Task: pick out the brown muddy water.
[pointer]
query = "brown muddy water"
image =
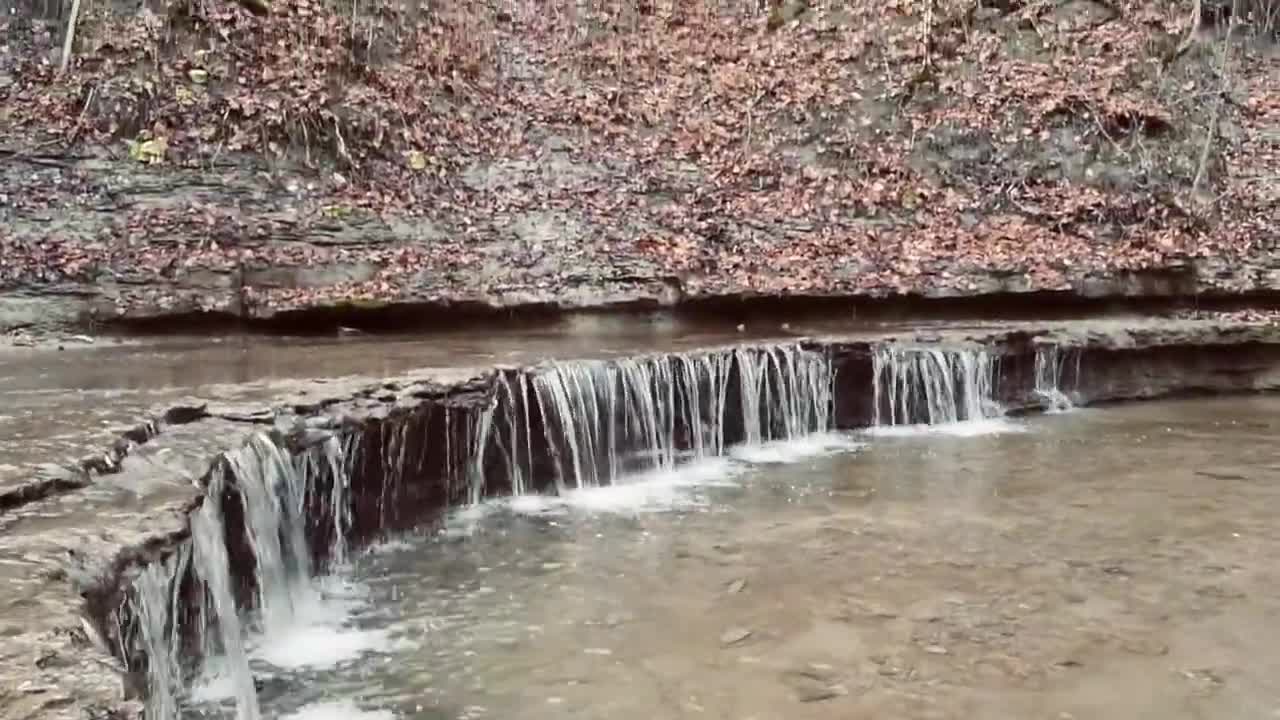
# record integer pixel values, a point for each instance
(58, 406)
(1103, 563)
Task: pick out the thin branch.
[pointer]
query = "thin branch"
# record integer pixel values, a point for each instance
(1224, 76)
(70, 39)
(927, 40)
(1193, 24)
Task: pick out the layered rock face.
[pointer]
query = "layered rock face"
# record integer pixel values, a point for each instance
(197, 158)
(150, 593)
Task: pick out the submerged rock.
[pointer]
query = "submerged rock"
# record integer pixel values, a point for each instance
(733, 636)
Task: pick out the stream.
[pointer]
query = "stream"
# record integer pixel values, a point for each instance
(1097, 563)
(655, 520)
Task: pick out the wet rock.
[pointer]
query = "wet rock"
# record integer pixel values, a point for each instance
(814, 682)
(733, 636)
(1117, 571)
(811, 692)
(823, 686)
(1220, 475)
(1205, 680)
(181, 415)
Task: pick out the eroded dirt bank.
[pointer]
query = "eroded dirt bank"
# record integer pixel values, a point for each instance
(70, 549)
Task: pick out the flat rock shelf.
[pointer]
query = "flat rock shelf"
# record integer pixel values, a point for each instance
(130, 571)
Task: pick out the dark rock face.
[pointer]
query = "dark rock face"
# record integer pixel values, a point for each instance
(419, 448)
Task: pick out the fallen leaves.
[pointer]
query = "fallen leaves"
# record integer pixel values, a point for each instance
(836, 153)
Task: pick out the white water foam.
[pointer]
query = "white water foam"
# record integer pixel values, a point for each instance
(964, 428)
(338, 710)
(217, 682)
(389, 546)
(320, 635)
(1050, 369)
(653, 491)
(791, 451)
(659, 490)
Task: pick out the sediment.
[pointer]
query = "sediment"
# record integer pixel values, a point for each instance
(391, 456)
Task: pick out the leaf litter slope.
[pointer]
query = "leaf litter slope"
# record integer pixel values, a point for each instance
(467, 150)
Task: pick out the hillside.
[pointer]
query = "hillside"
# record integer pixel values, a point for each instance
(198, 156)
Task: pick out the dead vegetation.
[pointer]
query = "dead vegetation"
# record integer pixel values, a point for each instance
(908, 142)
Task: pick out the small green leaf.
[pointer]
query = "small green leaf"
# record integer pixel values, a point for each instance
(151, 152)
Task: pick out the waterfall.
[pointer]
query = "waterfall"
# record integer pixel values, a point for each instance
(785, 394)
(919, 384)
(273, 492)
(155, 606)
(272, 487)
(601, 420)
(503, 429)
(219, 609)
(1050, 368)
(330, 457)
(484, 424)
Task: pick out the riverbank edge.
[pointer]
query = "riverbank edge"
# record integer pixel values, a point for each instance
(1109, 362)
(39, 314)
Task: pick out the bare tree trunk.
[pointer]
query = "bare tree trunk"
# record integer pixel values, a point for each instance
(1223, 89)
(69, 41)
(1193, 25)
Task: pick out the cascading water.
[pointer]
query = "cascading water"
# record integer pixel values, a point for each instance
(601, 420)
(273, 491)
(272, 487)
(1050, 368)
(918, 384)
(331, 456)
(156, 607)
(582, 424)
(784, 394)
(219, 610)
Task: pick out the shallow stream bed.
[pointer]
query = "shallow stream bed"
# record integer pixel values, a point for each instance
(1102, 563)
